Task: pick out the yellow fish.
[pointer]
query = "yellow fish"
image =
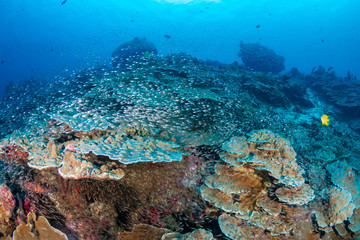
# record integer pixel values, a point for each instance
(325, 119)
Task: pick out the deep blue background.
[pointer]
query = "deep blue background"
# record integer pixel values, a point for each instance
(48, 40)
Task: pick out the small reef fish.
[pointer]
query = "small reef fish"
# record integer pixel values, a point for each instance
(167, 36)
(63, 2)
(37, 188)
(325, 119)
(258, 26)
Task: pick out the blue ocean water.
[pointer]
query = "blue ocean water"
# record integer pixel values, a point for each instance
(179, 119)
(48, 39)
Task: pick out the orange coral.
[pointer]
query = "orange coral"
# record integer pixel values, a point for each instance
(37, 229)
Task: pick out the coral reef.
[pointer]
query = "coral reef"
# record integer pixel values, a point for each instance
(129, 52)
(159, 146)
(261, 58)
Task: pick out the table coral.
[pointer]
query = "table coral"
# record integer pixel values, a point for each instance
(42, 153)
(75, 166)
(345, 177)
(133, 149)
(264, 150)
(298, 195)
(270, 206)
(254, 169)
(339, 207)
(232, 189)
(237, 229)
(354, 225)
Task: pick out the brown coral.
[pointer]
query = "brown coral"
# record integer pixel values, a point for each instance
(237, 229)
(75, 166)
(295, 195)
(37, 229)
(233, 189)
(339, 207)
(264, 150)
(143, 232)
(254, 167)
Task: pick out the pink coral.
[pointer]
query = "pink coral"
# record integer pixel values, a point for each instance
(7, 203)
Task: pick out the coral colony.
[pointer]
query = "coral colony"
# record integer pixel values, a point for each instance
(178, 148)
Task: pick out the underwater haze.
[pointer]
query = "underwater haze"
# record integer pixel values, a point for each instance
(52, 39)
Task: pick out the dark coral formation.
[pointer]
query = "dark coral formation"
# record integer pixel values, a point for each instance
(260, 58)
(132, 51)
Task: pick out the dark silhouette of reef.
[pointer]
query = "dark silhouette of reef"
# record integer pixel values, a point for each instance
(132, 51)
(260, 58)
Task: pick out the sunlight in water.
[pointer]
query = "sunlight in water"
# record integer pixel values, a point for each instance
(187, 1)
